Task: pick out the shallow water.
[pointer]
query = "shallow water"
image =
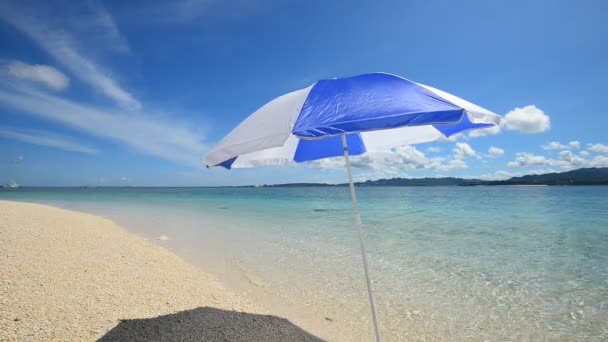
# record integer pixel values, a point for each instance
(448, 263)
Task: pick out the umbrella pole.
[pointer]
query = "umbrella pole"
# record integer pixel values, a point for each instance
(353, 196)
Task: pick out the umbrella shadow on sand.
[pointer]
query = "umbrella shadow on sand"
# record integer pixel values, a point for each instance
(208, 324)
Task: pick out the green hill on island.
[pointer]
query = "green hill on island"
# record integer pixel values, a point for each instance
(584, 176)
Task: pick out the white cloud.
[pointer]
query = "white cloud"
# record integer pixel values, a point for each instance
(88, 27)
(528, 119)
(599, 161)
(566, 155)
(570, 158)
(484, 131)
(526, 159)
(567, 160)
(433, 149)
(44, 74)
(438, 164)
(495, 151)
(40, 23)
(92, 20)
(45, 139)
(584, 153)
(149, 134)
(454, 164)
(392, 162)
(409, 155)
(329, 163)
(554, 145)
(599, 148)
(402, 158)
(463, 150)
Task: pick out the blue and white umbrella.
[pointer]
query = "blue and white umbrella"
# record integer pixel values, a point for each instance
(347, 116)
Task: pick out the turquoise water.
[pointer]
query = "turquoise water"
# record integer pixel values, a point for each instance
(449, 263)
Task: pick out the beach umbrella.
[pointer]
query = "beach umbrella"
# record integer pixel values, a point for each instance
(345, 117)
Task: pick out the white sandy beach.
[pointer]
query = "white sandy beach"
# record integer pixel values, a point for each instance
(66, 275)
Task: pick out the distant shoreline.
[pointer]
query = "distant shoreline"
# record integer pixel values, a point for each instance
(578, 177)
(290, 185)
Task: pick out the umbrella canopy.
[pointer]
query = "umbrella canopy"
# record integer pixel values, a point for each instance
(347, 116)
(377, 112)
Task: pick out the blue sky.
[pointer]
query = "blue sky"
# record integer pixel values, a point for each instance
(134, 93)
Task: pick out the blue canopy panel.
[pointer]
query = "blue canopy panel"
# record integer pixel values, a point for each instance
(328, 147)
(464, 124)
(227, 163)
(370, 102)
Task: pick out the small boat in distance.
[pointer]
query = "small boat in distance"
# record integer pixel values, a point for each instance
(12, 185)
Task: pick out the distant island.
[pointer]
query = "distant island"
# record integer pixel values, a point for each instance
(584, 176)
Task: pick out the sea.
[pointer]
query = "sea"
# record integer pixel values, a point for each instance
(483, 263)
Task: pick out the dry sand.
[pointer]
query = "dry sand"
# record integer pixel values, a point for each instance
(69, 276)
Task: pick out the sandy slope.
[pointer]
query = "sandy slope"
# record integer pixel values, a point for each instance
(72, 276)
